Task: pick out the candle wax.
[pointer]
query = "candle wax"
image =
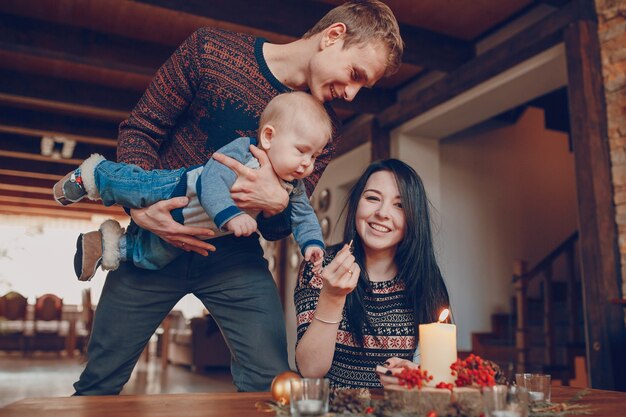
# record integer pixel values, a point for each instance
(437, 344)
(505, 413)
(309, 407)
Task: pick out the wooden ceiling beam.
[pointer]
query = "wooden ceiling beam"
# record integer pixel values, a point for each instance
(10, 197)
(31, 185)
(37, 123)
(368, 101)
(29, 147)
(535, 39)
(24, 187)
(16, 175)
(85, 47)
(81, 46)
(66, 97)
(46, 212)
(293, 18)
(355, 134)
(35, 157)
(364, 129)
(38, 168)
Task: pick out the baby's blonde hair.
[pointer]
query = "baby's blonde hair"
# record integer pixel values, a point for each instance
(296, 109)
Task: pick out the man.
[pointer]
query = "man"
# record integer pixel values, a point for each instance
(211, 91)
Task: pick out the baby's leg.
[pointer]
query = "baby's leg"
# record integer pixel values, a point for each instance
(98, 248)
(116, 183)
(146, 250)
(77, 184)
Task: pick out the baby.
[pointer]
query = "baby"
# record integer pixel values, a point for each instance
(293, 130)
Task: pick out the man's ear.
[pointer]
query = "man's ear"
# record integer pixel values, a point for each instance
(332, 34)
(267, 134)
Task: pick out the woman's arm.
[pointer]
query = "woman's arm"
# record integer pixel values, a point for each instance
(316, 348)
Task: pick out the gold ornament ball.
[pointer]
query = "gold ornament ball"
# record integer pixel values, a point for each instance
(281, 387)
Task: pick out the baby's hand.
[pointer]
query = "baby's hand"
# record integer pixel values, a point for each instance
(242, 225)
(315, 255)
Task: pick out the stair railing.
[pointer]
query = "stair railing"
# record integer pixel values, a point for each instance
(521, 279)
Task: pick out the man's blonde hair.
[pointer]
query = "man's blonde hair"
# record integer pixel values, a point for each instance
(366, 21)
(296, 108)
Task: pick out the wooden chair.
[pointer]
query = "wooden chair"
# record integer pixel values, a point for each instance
(13, 307)
(48, 328)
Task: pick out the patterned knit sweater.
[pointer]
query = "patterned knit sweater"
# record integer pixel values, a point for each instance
(211, 91)
(390, 315)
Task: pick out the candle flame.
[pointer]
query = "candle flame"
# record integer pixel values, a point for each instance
(444, 315)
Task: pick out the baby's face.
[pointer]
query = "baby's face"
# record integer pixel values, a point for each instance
(293, 151)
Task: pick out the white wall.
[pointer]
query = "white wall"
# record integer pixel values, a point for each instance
(504, 193)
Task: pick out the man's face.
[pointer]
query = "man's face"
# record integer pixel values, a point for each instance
(336, 72)
(293, 150)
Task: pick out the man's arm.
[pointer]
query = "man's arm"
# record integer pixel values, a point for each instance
(149, 126)
(167, 97)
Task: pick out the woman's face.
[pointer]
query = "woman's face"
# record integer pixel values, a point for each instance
(380, 219)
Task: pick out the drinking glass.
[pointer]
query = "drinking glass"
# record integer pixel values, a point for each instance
(309, 397)
(538, 386)
(505, 401)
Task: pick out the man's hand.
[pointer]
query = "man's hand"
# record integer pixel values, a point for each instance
(158, 220)
(242, 225)
(315, 255)
(256, 189)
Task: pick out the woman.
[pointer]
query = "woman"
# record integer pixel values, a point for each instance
(365, 307)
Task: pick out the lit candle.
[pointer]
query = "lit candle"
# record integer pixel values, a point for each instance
(309, 407)
(437, 344)
(536, 396)
(506, 413)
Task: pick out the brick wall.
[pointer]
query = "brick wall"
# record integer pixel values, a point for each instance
(612, 35)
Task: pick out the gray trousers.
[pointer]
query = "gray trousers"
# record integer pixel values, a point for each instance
(233, 283)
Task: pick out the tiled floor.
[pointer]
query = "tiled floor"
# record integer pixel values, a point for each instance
(52, 376)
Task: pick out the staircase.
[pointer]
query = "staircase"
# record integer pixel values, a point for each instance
(545, 332)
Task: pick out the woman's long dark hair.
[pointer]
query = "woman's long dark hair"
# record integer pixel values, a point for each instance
(415, 259)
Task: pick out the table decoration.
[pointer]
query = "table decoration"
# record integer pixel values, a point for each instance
(437, 343)
(413, 398)
(353, 403)
(281, 387)
(309, 397)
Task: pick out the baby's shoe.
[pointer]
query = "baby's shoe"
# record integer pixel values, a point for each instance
(88, 255)
(98, 248)
(69, 189)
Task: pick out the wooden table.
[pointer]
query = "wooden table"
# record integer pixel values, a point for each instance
(604, 403)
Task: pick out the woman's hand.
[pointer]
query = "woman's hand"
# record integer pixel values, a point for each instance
(256, 189)
(391, 368)
(341, 275)
(158, 220)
